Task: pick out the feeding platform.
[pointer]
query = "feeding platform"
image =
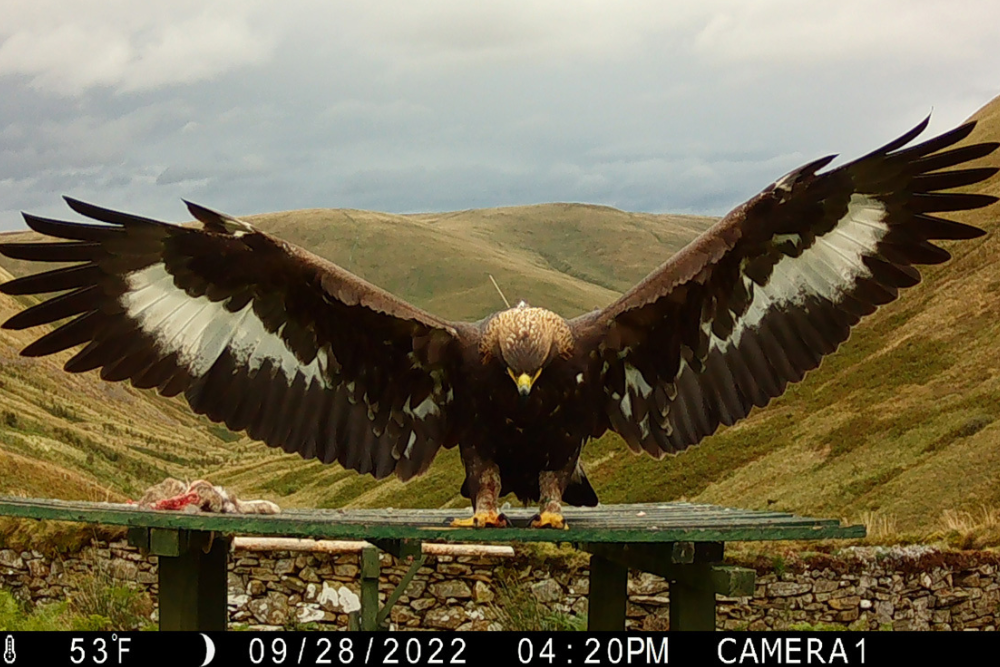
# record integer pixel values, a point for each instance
(683, 542)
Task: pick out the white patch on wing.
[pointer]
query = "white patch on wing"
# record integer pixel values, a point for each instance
(830, 267)
(781, 238)
(626, 405)
(644, 427)
(409, 444)
(426, 407)
(199, 330)
(636, 382)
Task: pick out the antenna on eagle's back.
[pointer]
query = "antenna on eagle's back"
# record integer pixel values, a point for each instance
(499, 291)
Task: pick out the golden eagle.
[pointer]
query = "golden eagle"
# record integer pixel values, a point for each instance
(305, 356)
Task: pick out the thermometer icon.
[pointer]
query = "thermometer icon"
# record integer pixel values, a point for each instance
(8, 650)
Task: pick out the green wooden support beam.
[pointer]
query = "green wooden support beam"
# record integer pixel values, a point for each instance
(370, 571)
(693, 570)
(654, 557)
(381, 619)
(403, 549)
(169, 542)
(193, 583)
(608, 595)
(138, 537)
(701, 574)
(683, 552)
(729, 580)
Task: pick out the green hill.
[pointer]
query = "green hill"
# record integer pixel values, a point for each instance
(901, 422)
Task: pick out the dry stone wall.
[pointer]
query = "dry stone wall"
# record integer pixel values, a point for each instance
(910, 588)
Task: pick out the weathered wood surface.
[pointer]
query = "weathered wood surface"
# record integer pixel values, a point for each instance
(653, 522)
(355, 546)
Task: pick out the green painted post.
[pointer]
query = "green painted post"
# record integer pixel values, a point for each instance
(382, 619)
(193, 584)
(370, 570)
(608, 595)
(691, 608)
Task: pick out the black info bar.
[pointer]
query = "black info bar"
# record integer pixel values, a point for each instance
(113, 649)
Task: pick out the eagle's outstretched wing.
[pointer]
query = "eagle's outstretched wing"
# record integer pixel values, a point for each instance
(255, 332)
(759, 298)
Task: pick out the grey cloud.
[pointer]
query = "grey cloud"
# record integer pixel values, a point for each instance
(175, 175)
(84, 45)
(450, 105)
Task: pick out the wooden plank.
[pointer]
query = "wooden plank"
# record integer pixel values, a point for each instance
(608, 595)
(475, 550)
(355, 546)
(660, 523)
(193, 585)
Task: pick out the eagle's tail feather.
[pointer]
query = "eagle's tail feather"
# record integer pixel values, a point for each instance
(579, 492)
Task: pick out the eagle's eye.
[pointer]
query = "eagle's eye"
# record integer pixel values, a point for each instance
(523, 381)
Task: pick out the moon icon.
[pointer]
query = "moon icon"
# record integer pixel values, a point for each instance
(209, 649)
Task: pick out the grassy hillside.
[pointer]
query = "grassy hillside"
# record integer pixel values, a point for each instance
(902, 422)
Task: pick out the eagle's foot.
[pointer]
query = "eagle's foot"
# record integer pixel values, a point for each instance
(482, 520)
(549, 520)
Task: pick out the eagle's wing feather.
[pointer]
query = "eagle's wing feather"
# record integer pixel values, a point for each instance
(255, 332)
(763, 295)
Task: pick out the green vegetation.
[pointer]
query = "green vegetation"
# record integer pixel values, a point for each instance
(99, 605)
(516, 609)
(14, 617)
(102, 600)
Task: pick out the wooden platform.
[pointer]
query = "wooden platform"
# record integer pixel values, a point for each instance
(650, 522)
(683, 542)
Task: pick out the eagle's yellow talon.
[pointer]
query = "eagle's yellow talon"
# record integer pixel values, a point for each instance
(549, 520)
(482, 520)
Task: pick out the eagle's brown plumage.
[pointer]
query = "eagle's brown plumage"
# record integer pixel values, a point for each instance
(305, 356)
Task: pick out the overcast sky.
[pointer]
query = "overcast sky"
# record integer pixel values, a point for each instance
(656, 106)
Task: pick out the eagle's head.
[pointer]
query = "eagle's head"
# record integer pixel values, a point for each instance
(526, 340)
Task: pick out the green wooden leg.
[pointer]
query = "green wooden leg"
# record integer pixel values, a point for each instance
(608, 594)
(691, 608)
(193, 584)
(370, 571)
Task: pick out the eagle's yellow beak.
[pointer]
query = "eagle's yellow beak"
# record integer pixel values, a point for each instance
(524, 381)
